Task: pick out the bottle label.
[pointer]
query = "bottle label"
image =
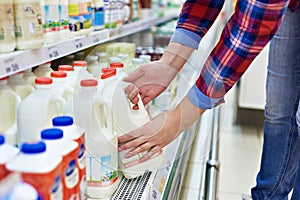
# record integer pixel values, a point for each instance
(102, 171)
(74, 24)
(50, 18)
(107, 14)
(57, 189)
(81, 157)
(7, 28)
(71, 175)
(28, 21)
(81, 162)
(63, 17)
(86, 15)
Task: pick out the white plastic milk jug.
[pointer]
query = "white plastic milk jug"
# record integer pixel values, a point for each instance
(18, 84)
(61, 88)
(93, 66)
(7, 153)
(76, 133)
(120, 69)
(43, 70)
(29, 77)
(93, 114)
(9, 102)
(56, 144)
(80, 72)
(37, 110)
(39, 168)
(125, 120)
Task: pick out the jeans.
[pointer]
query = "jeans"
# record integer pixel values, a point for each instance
(280, 171)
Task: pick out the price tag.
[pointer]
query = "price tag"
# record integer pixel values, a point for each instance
(53, 52)
(96, 39)
(12, 65)
(78, 43)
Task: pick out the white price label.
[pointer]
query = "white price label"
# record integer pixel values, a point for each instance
(78, 43)
(11, 65)
(96, 39)
(53, 52)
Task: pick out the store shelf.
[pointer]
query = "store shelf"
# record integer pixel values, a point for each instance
(13, 62)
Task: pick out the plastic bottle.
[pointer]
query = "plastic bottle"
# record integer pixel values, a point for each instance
(29, 31)
(102, 162)
(85, 16)
(50, 18)
(76, 133)
(80, 72)
(18, 190)
(74, 17)
(63, 13)
(9, 102)
(102, 59)
(120, 69)
(18, 84)
(56, 144)
(93, 66)
(29, 77)
(98, 20)
(107, 14)
(69, 70)
(114, 59)
(125, 120)
(39, 168)
(7, 27)
(7, 153)
(44, 70)
(37, 110)
(62, 89)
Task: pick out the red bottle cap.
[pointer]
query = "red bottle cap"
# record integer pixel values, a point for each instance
(43, 80)
(58, 74)
(80, 63)
(109, 74)
(88, 83)
(116, 65)
(65, 68)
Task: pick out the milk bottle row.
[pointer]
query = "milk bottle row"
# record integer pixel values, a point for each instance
(97, 104)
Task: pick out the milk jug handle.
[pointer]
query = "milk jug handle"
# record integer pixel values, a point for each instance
(18, 101)
(60, 100)
(140, 102)
(100, 113)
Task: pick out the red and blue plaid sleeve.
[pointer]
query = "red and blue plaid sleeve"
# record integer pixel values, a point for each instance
(250, 28)
(195, 19)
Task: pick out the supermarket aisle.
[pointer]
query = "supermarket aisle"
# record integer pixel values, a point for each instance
(239, 154)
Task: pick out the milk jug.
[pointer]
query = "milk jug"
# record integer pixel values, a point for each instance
(7, 153)
(28, 22)
(120, 69)
(7, 26)
(37, 110)
(63, 13)
(125, 120)
(29, 77)
(69, 70)
(9, 102)
(18, 190)
(76, 133)
(80, 72)
(18, 84)
(62, 89)
(93, 66)
(92, 113)
(39, 168)
(44, 70)
(56, 144)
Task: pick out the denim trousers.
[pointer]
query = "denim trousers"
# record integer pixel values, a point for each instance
(280, 169)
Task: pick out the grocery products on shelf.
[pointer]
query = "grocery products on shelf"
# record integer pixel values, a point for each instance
(36, 111)
(18, 84)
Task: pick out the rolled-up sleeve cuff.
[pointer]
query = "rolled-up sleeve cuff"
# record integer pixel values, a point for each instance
(200, 100)
(186, 37)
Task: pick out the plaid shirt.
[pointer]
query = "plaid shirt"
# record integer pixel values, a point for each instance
(250, 28)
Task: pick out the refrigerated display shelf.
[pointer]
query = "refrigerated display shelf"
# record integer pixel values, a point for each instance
(16, 61)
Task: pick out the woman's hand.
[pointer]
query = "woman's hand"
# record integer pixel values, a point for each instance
(160, 131)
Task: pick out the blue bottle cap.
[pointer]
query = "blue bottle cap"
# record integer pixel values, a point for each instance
(62, 121)
(2, 139)
(33, 148)
(52, 134)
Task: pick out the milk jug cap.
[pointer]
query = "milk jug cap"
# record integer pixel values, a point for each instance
(43, 80)
(65, 68)
(58, 74)
(2, 139)
(109, 74)
(52, 134)
(88, 83)
(107, 69)
(33, 148)
(4, 78)
(62, 121)
(116, 65)
(80, 63)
